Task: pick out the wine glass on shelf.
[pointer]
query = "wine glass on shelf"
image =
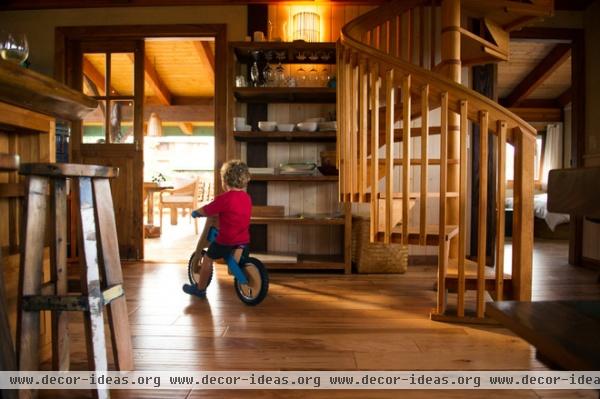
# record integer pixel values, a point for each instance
(268, 75)
(280, 70)
(14, 47)
(314, 56)
(325, 77)
(301, 74)
(313, 76)
(254, 73)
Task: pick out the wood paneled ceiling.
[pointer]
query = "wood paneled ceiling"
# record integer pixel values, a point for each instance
(536, 71)
(178, 78)
(178, 70)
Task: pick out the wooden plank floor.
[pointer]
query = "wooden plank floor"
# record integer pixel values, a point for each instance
(325, 322)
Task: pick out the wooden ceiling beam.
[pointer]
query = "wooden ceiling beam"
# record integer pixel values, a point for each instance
(161, 90)
(557, 56)
(187, 128)
(167, 113)
(94, 77)
(566, 97)
(50, 4)
(206, 55)
(538, 114)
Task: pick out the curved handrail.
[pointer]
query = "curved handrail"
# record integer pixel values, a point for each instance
(350, 37)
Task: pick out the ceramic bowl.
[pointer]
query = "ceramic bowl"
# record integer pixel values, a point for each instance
(330, 125)
(285, 127)
(267, 126)
(307, 126)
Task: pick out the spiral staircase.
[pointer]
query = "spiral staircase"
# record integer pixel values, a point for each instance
(405, 123)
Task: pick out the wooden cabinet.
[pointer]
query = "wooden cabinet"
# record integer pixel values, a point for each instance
(314, 232)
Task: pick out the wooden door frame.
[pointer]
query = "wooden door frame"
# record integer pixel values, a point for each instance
(68, 37)
(577, 39)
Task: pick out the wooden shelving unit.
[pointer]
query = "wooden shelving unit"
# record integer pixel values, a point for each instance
(308, 137)
(295, 178)
(306, 95)
(328, 231)
(317, 221)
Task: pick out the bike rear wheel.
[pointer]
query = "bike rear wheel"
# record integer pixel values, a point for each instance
(257, 288)
(193, 274)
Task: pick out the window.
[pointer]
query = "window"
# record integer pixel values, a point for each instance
(538, 160)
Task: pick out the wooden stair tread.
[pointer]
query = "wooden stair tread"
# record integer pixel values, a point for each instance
(412, 195)
(431, 231)
(471, 270)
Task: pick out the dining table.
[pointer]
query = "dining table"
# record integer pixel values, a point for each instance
(151, 188)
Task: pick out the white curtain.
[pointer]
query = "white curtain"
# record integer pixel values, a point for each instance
(553, 151)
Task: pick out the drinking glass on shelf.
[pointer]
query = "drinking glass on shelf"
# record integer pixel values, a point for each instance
(313, 56)
(325, 77)
(301, 56)
(313, 77)
(14, 47)
(268, 75)
(325, 56)
(301, 74)
(254, 73)
(279, 75)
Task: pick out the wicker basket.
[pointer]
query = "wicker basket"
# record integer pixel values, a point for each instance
(375, 257)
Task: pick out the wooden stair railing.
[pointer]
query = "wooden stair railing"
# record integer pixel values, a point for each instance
(385, 72)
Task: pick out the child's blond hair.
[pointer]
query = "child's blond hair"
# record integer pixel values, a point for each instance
(235, 174)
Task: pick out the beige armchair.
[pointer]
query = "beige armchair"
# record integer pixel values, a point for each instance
(185, 198)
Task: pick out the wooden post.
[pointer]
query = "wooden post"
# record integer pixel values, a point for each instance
(58, 270)
(452, 69)
(522, 256)
(442, 258)
(389, 153)
(375, 82)
(406, 153)
(501, 181)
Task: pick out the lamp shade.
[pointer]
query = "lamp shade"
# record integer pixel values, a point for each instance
(307, 26)
(154, 125)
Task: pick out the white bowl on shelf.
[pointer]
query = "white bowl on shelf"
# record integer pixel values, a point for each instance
(267, 126)
(245, 128)
(285, 127)
(329, 125)
(307, 126)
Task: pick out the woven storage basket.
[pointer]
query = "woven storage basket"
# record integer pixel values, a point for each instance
(375, 257)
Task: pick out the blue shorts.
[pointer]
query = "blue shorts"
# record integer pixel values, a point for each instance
(220, 251)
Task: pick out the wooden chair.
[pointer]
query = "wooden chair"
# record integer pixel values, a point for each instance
(101, 279)
(8, 163)
(185, 197)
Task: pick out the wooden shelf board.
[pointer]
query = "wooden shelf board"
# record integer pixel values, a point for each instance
(243, 51)
(313, 220)
(285, 94)
(314, 262)
(258, 136)
(28, 89)
(295, 178)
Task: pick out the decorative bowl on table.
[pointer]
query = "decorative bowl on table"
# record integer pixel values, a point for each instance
(307, 126)
(267, 126)
(285, 127)
(297, 168)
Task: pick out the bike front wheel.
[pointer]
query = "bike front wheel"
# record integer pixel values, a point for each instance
(256, 290)
(194, 269)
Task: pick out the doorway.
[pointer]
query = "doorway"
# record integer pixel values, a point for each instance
(119, 134)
